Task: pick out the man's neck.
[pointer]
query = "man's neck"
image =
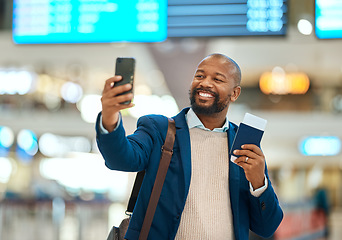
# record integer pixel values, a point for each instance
(212, 121)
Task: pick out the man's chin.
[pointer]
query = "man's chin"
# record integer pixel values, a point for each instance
(204, 110)
(204, 107)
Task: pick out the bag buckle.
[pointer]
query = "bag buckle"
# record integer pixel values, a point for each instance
(168, 150)
(128, 213)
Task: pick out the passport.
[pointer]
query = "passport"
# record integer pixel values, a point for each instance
(250, 131)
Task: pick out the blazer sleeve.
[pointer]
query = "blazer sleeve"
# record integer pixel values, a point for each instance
(266, 214)
(129, 153)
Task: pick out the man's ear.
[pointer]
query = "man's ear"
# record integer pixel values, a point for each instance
(236, 94)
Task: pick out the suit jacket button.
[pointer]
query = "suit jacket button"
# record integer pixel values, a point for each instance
(263, 206)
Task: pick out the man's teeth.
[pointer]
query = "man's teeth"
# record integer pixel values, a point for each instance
(202, 94)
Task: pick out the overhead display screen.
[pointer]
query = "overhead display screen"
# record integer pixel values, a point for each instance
(89, 21)
(96, 21)
(328, 19)
(211, 18)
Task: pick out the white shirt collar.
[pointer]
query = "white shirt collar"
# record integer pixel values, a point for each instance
(194, 122)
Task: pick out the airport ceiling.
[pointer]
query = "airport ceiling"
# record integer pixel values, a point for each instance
(177, 58)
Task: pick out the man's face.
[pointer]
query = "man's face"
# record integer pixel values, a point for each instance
(213, 86)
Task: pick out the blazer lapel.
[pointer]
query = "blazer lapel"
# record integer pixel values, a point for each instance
(234, 182)
(183, 141)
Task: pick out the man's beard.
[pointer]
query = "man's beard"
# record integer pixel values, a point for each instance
(216, 107)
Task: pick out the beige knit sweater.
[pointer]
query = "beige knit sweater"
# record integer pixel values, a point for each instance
(207, 212)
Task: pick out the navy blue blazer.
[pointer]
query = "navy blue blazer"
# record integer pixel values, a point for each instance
(142, 150)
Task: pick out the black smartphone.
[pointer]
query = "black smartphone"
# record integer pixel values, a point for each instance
(125, 67)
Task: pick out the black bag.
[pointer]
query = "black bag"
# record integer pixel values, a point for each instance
(118, 233)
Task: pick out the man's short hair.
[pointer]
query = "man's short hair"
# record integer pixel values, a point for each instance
(237, 73)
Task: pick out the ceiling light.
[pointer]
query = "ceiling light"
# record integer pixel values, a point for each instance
(304, 27)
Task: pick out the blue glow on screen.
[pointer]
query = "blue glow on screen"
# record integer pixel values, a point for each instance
(207, 18)
(27, 145)
(320, 146)
(328, 19)
(84, 21)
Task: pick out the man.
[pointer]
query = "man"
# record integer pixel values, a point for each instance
(205, 195)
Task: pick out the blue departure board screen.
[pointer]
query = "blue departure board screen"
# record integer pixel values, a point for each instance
(89, 21)
(328, 19)
(216, 18)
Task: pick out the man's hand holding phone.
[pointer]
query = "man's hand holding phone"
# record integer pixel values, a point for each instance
(118, 92)
(112, 101)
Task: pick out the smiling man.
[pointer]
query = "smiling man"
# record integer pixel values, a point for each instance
(204, 196)
(216, 83)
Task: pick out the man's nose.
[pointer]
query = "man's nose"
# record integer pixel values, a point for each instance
(207, 82)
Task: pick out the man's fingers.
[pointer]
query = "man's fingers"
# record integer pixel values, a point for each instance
(117, 91)
(124, 98)
(253, 148)
(246, 153)
(249, 150)
(112, 99)
(242, 160)
(115, 101)
(109, 83)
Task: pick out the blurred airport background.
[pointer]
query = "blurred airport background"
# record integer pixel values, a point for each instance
(53, 182)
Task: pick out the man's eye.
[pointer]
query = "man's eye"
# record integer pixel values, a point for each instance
(199, 76)
(218, 80)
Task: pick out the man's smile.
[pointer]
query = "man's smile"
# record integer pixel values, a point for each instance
(205, 94)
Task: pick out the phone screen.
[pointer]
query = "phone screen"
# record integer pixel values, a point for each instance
(125, 67)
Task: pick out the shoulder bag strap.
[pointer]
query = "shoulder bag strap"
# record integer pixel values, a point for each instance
(137, 184)
(159, 181)
(135, 192)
